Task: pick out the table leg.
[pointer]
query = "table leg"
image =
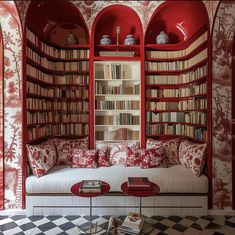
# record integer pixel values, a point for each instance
(140, 205)
(91, 228)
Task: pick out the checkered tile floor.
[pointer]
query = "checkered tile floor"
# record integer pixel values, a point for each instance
(51, 225)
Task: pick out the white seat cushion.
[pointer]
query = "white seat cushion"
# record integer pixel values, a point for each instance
(175, 179)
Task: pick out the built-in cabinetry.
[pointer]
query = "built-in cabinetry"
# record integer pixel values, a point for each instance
(117, 76)
(176, 88)
(57, 89)
(117, 100)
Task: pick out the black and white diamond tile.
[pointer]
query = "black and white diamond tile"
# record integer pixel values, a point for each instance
(67, 225)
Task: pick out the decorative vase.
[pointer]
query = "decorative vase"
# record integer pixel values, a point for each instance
(129, 40)
(162, 38)
(71, 39)
(105, 40)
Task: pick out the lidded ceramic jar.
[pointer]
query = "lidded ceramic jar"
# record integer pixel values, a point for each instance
(162, 38)
(129, 40)
(71, 39)
(105, 40)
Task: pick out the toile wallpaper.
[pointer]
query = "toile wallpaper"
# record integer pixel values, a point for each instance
(222, 45)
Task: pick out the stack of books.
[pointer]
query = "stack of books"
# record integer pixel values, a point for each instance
(138, 183)
(90, 186)
(132, 224)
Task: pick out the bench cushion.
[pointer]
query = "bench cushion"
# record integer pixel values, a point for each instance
(175, 179)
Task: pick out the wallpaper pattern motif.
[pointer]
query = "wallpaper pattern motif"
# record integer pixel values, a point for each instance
(221, 105)
(221, 87)
(12, 45)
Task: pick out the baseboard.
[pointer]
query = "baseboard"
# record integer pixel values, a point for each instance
(221, 212)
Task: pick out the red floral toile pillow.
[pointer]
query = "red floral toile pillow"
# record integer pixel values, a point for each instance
(117, 153)
(42, 157)
(85, 158)
(192, 156)
(151, 158)
(66, 148)
(132, 157)
(103, 154)
(170, 147)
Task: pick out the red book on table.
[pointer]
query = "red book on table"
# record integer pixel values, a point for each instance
(138, 183)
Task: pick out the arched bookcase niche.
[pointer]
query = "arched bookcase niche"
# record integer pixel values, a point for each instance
(57, 71)
(177, 75)
(122, 21)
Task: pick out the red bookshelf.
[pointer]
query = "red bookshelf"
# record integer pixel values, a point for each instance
(117, 81)
(57, 79)
(178, 82)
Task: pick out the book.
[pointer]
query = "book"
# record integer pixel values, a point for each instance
(127, 230)
(90, 186)
(133, 221)
(138, 183)
(117, 53)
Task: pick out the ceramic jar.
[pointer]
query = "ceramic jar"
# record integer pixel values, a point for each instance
(105, 40)
(129, 40)
(162, 38)
(71, 39)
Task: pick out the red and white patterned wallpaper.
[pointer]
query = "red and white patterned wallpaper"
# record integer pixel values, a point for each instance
(222, 44)
(12, 50)
(12, 39)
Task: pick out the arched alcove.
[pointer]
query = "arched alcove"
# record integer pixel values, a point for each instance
(53, 20)
(111, 17)
(180, 19)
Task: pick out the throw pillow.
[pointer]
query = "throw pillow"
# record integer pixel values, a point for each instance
(132, 157)
(42, 157)
(66, 148)
(85, 158)
(103, 154)
(170, 147)
(151, 158)
(192, 156)
(117, 153)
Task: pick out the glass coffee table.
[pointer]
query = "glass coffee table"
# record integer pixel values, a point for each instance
(91, 228)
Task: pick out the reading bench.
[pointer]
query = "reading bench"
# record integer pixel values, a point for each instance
(181, 191)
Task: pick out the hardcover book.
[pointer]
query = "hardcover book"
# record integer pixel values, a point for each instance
(133, 221)
(90, 186)
(138, 183)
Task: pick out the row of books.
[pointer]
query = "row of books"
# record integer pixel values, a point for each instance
(72, 106)
(60, 117)
(119, 119)
(117, 105)
(39, 117)
(44, 104)
(119, 134)
(65, 54)
(62, 65)
(177, 79)
(54, 52)
(56, 79)
(71, 92)
(112, 71)
(37, 89)
(176, 129)
(192, 104)
(121, 89)
(188, 117)
(71, 80)
(39, 131)
(176, 54)
(180, 92)
(38, 74)
(71, 129)
(176, 65)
